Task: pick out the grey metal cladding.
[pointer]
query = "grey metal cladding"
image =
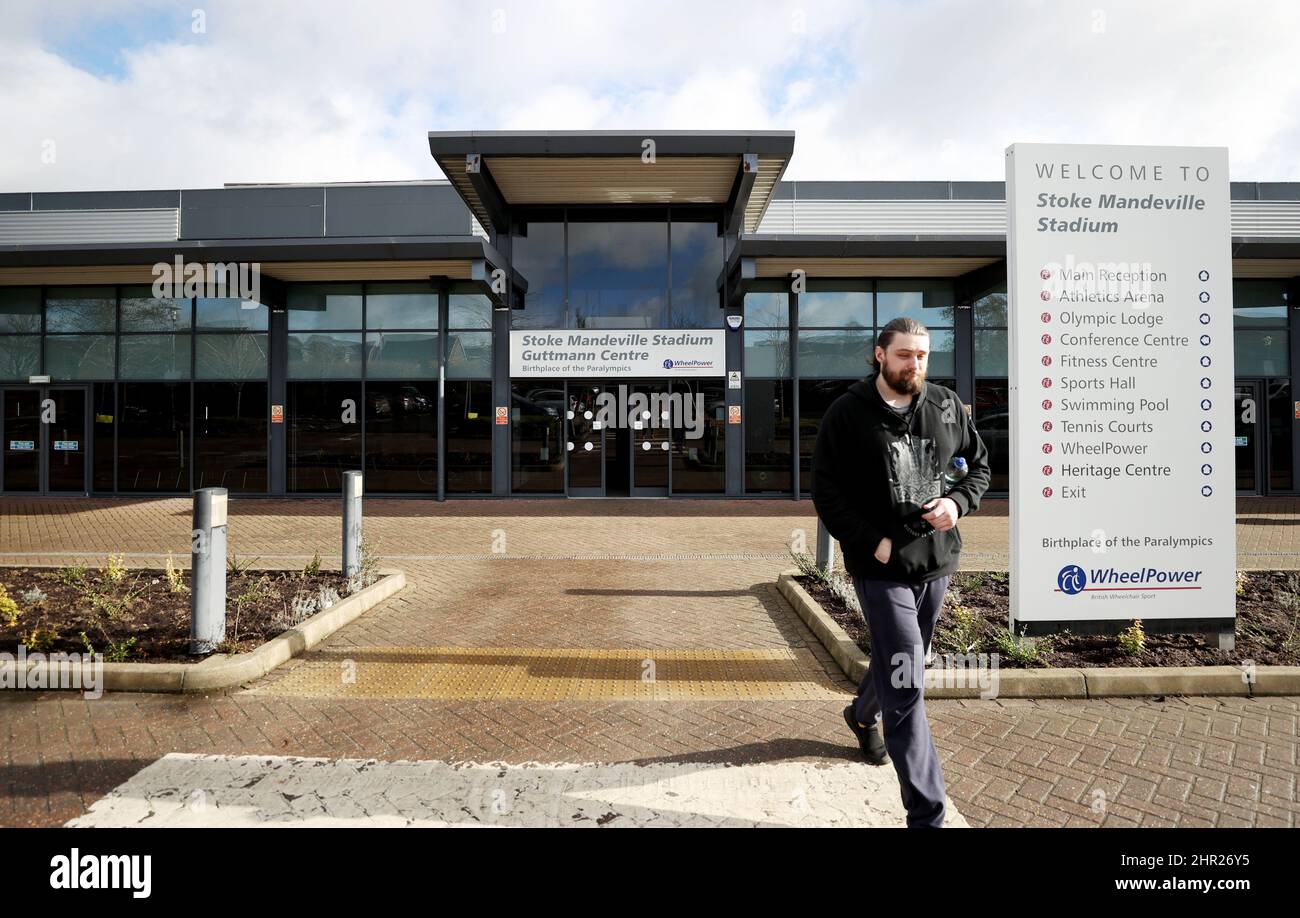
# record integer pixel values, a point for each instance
(104, 200)
(396, 210)
(252, 213)
(15, 200)
(1278, 191)
(979, 191)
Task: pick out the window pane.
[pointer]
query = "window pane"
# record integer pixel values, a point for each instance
(325, 355)
(991, 351)
(469, 437)
(992, 413)
(102, 435)
(767, 309)
(1259, 304)
(767, 353)
(768, 454)
(697, 260)
(20, 356)
(401, 306)
(230, 433)
(536, 441)
(699, 465)
(230, 356)
(1260, 353)
(929, 302)
(469, 355)
(942, 361)
(142, 311)
(835, 353)
(324, 432)
(815, 396)
(397, 355)
(324, 306)
(153, 438)
(20, 309)
(155, 357)
(231, 314)
(402, 436)
(991, 308)
(538, 256)
(79, 356)
(618, 275)
(836, 305)
(469, 310)
(1281, 464)
(80, 309)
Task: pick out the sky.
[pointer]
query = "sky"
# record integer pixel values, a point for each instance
(108, 94)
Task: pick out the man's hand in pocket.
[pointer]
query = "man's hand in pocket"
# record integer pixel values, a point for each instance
(883, 550)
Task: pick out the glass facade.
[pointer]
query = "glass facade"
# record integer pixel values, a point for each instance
(397, 378)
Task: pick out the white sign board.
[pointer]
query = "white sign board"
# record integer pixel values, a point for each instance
(572, 353)
(1120, 323)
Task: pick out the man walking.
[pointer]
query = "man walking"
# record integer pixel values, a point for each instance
(879, 487)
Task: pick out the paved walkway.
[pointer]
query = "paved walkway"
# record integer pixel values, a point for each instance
(599, 637)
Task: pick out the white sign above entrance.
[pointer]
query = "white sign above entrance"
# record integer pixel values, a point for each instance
(664, 353)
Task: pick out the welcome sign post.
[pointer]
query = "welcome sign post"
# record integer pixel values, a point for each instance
(1122, 463)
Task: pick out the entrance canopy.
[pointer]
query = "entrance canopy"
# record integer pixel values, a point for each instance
(497, 171)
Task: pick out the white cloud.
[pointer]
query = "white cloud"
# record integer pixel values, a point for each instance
(344, 91)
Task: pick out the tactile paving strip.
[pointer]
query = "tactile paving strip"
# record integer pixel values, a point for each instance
(542, 674)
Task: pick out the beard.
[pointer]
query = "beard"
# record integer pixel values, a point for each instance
(905, 382)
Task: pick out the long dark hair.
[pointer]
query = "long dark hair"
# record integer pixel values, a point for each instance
(903, 325)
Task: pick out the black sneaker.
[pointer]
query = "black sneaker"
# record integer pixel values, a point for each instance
(869, 739)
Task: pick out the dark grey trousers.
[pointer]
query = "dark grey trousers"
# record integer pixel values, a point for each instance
(901, 619)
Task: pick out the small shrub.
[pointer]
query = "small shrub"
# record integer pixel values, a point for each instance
(1133, 640)
(34, 596)
(235, 567)
(120, 652)
(1022, 649)
(313, 566)
(9, 613)
(963, 636)
(39, 639)
(809, 567)
(90, 648)
(175, 576)
(72, 575)
(1241, 582)
(326, 597)
(114, 569)
(368, 572)
(843, 590)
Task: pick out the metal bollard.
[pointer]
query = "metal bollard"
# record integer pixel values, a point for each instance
(208, 571)
(351, 523)
(825, 547)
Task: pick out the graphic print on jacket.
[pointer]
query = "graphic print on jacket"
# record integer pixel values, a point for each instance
(915, 480)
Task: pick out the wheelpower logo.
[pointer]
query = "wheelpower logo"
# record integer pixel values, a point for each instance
(1073, 579)
(671, 364)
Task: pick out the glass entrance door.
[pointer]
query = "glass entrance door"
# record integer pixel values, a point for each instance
(651, 441)
(584, 436)
(45, 439)
(1248, 427)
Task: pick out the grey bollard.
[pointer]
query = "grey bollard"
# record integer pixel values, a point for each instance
(208, 571)
(825, 547)
(351, 523)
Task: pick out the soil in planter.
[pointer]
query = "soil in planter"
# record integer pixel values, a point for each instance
(975, 611)
(138, 617)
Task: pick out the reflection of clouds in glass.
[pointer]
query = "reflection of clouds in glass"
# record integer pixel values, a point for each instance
(929, 302)
(641, 247)
(850, 309)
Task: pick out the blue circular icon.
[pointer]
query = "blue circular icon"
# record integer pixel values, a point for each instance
(1206, 447)
(668, 364)
(1206, 491)
(1071, 579)
(1204, 275)
(1205, 360)
(1205, 404)
(1205, 318)
(1207, 469)
(1205, 339)
(1206, 426)
(1205, 297)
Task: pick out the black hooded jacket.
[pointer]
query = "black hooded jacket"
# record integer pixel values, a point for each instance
(873, 470)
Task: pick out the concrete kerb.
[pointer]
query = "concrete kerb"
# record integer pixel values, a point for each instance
(1094, 682)
(221, 671)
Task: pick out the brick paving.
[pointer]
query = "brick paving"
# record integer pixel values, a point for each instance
(678, 576)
